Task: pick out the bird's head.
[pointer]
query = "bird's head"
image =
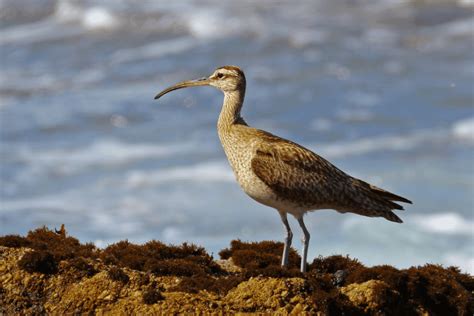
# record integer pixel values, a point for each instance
(226, 79)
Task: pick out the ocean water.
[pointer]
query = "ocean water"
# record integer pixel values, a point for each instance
(384, 91)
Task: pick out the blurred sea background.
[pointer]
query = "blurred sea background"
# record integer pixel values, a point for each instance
(383, 89)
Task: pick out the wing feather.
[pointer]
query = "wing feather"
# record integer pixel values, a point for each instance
(297, 174)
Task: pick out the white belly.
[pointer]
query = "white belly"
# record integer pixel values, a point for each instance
(240, 156)
(260, 192)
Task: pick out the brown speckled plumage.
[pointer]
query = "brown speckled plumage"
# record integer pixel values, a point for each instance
(284, 175)
(296, 174)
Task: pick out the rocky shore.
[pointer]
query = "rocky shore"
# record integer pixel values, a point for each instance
(49, 272)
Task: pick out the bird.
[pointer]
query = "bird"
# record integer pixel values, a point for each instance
(284, 175)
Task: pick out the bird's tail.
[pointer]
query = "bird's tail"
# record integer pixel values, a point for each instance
(376, 202)
(388, 195)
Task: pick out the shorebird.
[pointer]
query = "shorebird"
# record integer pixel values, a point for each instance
(282, 174)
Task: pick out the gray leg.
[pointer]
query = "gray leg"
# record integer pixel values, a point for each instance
(288, 238)
(305, 241)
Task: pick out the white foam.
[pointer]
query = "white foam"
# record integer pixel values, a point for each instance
(154, 50)
(466, 3)
(118, 120)
(66, 11)
(92, 18)
(212, 23)
(37, 32)
(444, 223)
(464, 129)
(213, 171)
(64, 24)
(207, 24)
(204, 24)
(98, 18)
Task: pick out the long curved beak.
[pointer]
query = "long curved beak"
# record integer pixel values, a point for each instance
(190, 83)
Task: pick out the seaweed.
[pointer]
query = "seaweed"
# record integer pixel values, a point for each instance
(220, 285)
(60, 245)
(334, 263)
(151, 296)
(125, 254)
(464, 279)
(39, 261)
(390, 275)
(160, 259)
(430, 288)
(334, 303)
(117, 274)
(262, 259)
(57, 244)
(326, 297)
(438, 290)
(82, 266)
(14, 241)
(177, 267)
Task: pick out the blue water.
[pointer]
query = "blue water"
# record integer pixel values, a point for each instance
(384, 91)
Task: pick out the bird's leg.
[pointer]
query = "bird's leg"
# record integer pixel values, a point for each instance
(288, 238)
(305, 241)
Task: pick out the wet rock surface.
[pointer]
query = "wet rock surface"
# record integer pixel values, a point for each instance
(48, 272)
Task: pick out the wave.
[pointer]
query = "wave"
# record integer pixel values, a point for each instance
(104, 152)
(447, 223)
(91, 18)
(38, 32)
(67, 21)
(213, 171)
(462, 130)
(154, 50)
(420, 237)
(444, 223)
(33, 203)
(380, 143)
(203, 26)
(207, 21)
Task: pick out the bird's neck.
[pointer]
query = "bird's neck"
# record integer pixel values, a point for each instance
(230, 113)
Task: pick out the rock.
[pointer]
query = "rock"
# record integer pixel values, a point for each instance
(340, 277)
(260, 294)
(113, 281)
(229, 265)
(368, 295)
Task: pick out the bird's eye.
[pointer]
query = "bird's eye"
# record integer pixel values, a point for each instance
(220, 75)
